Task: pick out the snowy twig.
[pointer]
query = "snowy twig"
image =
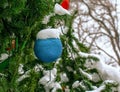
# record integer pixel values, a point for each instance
(101, 88)
(85, 74)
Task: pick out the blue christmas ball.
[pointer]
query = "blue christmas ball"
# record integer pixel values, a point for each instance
(48, 50)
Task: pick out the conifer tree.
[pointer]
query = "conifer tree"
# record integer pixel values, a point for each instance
(21, 71)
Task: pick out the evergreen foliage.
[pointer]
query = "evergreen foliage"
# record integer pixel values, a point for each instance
(20, 20)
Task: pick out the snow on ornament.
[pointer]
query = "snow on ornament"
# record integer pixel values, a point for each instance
(48, 46)
(62, 9)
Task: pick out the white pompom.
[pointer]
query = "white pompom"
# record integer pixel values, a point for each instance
(58, 9)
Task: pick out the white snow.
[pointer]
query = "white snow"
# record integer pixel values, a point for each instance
(101, 88)
(26, 75)
(63, 77)
(70, 69)
(48, 33)
(3, 56)
(48, 80)
(58, 9)
(46, 19)
(76, 84)
(38, 68)
(86, 74)
(20, 69)
(67, 89)
(52, 32)
(82, 54)
(107, 72)
(49, 76)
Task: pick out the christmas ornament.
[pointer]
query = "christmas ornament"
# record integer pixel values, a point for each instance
(65, 4)
(62, 9)
(48, 46)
